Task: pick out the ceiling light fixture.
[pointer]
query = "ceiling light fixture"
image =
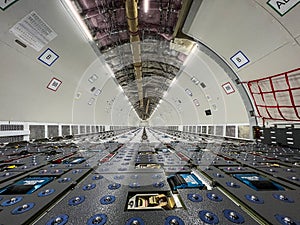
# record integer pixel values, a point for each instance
(72, 9)
(191, 55)
(146, 5)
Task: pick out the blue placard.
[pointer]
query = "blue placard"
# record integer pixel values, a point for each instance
(27, 185)
(239, 59)
(48, 57)
(257, 182)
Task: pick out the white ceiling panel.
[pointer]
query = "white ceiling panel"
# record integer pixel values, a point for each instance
(230, 26)
(290, 20)
(282, 60)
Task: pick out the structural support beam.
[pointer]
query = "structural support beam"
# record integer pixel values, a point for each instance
(132, 20)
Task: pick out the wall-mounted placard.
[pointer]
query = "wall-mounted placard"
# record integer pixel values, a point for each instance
(228, 88)
(239, 59)
(4, 4)
(282, 6)
(54, 84)
(48, 57)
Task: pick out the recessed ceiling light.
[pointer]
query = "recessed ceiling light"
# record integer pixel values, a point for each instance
(196, 102)
(189, 92)
(71, 8)
(146, 6)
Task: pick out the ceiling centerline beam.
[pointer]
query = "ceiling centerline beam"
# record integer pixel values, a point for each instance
(131, 7)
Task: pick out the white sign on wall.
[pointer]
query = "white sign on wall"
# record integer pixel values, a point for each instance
(33, 31)
(283, 6)
(239, 59)
(6, 3)
(228, 88)
(54, 84)
(48, 57)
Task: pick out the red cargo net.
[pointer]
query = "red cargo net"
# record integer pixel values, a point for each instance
(277, 97)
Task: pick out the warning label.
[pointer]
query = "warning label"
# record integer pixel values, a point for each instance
(33, 31)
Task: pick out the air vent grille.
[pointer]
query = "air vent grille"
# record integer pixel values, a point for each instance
(52, 131)
(5, 127)
(210, 129)
(74, 130)
(82, 129)
(219, 130)
(37, 131)
(65, 130)
(88, 129)
(230, 131)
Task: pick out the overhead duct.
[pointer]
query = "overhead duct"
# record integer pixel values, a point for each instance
(132, 20)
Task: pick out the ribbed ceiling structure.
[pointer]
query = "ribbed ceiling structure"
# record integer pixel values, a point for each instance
(153, 49)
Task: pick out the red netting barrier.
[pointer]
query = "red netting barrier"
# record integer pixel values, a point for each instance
(277, 97)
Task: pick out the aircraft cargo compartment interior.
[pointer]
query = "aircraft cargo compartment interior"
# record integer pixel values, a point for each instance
(149, 112)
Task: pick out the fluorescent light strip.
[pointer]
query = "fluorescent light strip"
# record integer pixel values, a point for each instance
(72, 10)
(191, 54)
(146, 5)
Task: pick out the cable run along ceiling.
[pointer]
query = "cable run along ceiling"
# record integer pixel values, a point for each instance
(145, 55)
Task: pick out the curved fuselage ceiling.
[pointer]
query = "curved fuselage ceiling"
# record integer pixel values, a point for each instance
(186, 67)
